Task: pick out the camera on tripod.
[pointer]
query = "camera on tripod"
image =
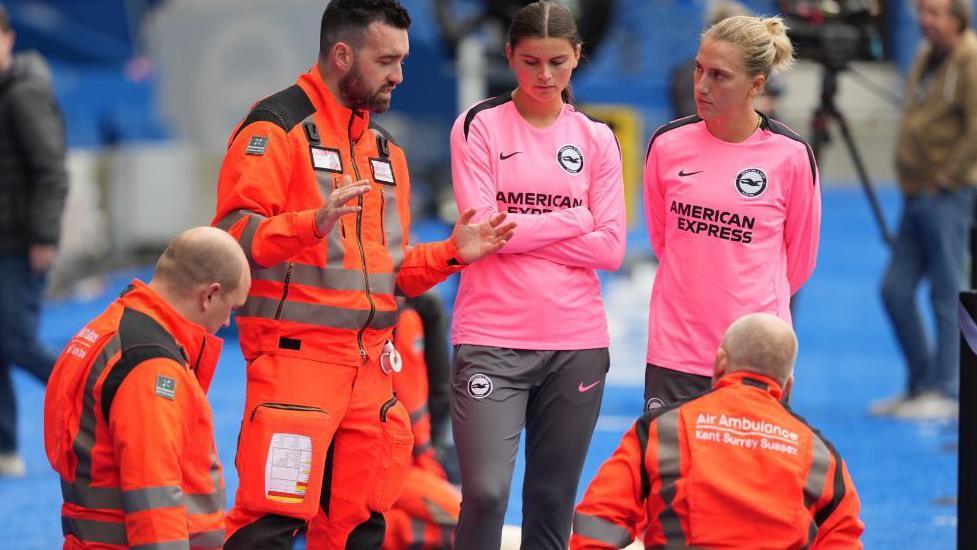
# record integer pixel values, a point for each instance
(834, 32)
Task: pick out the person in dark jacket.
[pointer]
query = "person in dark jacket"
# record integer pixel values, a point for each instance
(33, 185)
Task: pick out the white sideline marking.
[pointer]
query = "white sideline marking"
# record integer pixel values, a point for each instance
(512, 535)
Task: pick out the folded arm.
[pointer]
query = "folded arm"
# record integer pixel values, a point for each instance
(604, 247)
(474, 185)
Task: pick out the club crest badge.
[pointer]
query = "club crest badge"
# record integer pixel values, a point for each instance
(751, 182)
(479, 386)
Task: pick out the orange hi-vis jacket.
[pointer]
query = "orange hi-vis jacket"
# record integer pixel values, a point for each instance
(733, 468)
(332, 296)
(128, 428)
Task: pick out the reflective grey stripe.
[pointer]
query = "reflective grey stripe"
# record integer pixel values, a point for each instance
(111, 498)
(601, 530)
(171, 545)
(150, 498)
(438, 514)
(85, 439)
(669, 471)
(392, 229)
(205, 503)
(330, 278)
(208, 503)
(818, 472)
(81, 494)
(419, 414)
(316, 314)
(812, 534)
(816, 480)
(417, 533)
(207, 539)
(421, 449)
(229, 220)
(89, 530)
(335, 252)
(247, 236)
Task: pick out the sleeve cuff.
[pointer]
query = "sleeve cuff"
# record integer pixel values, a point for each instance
(307, 233)
(452, 257)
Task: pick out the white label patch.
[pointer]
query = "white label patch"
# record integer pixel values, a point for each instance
(383, 171)
(165, 387)
(326, 159)
(287, 468)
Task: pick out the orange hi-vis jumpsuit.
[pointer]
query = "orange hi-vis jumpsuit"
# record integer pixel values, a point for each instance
(425, 515)
(733, 468)
(128, 428)
(319, 412)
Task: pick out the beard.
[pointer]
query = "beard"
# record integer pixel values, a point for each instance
(358, 95)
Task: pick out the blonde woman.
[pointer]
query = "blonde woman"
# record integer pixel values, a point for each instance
(733, 208)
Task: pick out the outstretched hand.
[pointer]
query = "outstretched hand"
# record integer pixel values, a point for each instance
(336, 204)
(477, 240)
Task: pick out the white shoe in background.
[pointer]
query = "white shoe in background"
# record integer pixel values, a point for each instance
(512, 538)
(885, 407)
(11, 465)
(928, 405)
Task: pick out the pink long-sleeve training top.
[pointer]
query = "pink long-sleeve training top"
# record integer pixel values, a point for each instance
(735, 227)
(562, 185)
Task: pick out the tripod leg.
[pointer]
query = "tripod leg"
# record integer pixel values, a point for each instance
(863, 178)
(819, 131)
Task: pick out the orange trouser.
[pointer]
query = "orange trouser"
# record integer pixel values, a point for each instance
(425, 516)
(349, 411)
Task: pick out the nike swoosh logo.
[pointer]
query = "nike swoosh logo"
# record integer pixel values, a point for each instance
(683, 173)
(503, 156)
(581, 388)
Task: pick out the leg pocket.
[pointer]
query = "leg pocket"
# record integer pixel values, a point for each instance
(395, 455)
(282, 456)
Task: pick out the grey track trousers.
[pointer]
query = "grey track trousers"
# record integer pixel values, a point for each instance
(556, 396)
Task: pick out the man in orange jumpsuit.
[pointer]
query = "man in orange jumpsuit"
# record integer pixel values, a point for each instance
(733, 468)
(318, 198)
(127, 425)
(425, 515)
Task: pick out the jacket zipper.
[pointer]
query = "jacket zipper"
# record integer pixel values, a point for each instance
(288, 277)
(387, 405)
(359, 243)
(383, 208)
(286, 407)
(342, 225)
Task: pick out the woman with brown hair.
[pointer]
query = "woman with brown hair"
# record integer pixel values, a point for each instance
(529, 327)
